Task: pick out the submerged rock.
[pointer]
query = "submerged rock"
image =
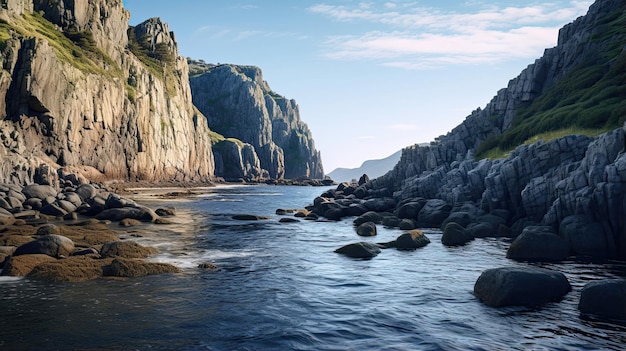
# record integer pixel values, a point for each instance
(520, 286)
(604, 299)
(359, 250)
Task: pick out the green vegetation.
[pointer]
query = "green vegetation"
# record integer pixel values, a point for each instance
(77, 48)
(590, 98)
(5, 34)
(215, 137)
(161, 62)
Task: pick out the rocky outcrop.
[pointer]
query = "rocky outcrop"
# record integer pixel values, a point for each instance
(559, 183)
(84, 91)
(239, 104)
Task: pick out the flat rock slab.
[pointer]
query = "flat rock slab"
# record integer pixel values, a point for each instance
(520, 286)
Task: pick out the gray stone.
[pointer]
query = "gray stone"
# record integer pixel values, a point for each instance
(86, 191)
(520, 286)
(39, 191)
(366, 229)
(433, 213)
(587, 238)
(51, 245)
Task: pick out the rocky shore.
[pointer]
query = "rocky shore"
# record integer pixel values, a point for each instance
(71, 230)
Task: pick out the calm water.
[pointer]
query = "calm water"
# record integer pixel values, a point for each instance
(281, 287)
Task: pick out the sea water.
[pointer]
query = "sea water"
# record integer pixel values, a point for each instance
(281, 287)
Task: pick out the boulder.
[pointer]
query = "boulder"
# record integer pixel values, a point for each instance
(141, 213)
(461, 218)
(538, 243)
(455, 235)
(86, 191)
(73, 269)
(136, 268)
(366, 229)
(410, 210)
(435, 211)
(482, 230)
(53, 210)
(587, 238)
(370, 216)
(126, 249)
(520, 286)
(51, 245)
(411, 240)
(334, 214)
(407, 224)
(20, 266)
(48, 229)
(604, 299)
(166, 212)
(39, 191)
(359, 250)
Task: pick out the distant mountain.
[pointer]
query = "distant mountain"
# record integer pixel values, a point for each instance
(373, 169)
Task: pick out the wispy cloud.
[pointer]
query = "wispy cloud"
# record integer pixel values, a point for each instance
(235, 34)
(415, 37)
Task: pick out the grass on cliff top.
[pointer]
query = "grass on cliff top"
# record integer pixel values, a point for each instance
(217, 138)
(77, 48)
(497, 153)
(590, 98)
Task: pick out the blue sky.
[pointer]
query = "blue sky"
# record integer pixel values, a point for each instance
(370, 77)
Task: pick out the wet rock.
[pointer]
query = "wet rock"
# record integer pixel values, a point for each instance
(366, 229)
(455, 235)
(141, 213)
(359, 250)
(462, 218)
(208, 266)
(407, 224)
(20, 266)
(410, 210)
(166, 212)
(51, 245)
(520, 286)
(411, 240)
(288, 220)
(53, 210)
(72, 269)
(136, 268)
(604, 299)
(370, 216)
(126, 249)
(433, 213)
(538, 243)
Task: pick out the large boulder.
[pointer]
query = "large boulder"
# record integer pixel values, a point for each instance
(411, 240)
(410, 210)
(126, 249)
(369, 216)
(20, 266)
(433, 213)
(587, 238)
(520, 286)
(455, 235)
(136, 268)
(461, 218)
(39, 191)
(141, 213)
(367, 229)
(51, 245)
(359, 250)
(538, 243)
(604, 299)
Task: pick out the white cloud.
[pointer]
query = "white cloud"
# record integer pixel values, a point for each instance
(418, 37)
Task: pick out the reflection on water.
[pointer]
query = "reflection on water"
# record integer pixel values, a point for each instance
(280, 287)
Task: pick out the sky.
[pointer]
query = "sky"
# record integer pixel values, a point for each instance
(370, 77)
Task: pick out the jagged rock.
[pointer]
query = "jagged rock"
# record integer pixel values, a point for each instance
(359, 250)
(91, 116)
(455, 235)
(366, 229)
(520, 286)
(605, 299)
(51, 245)
(538, 243)
(267, 121)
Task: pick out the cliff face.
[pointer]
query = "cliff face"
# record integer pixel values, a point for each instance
(561, 183)
(239, 104)
(77, 91)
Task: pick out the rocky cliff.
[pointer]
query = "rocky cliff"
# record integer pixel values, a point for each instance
(574, 184)
(239, 104)
(79, 88)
